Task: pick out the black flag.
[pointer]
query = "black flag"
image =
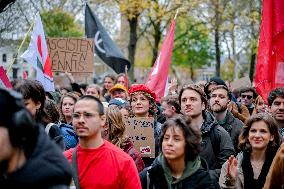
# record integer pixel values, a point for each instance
(105, 48)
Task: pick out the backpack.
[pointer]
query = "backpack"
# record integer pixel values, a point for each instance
(70, 137)
(67, 132)
(54, 133)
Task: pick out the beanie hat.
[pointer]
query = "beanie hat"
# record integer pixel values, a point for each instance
(117, 87)
(214, 80)
(141, 87)
(118, 102)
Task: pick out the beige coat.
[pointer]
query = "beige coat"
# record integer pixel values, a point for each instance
(239, 183)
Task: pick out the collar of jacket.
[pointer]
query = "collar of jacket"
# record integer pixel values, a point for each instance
(190, 169)
(208, 123)
(227, 122)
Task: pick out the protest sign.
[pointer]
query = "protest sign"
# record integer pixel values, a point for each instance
(61, 80)
(241, 83)
(73, 55)
(141, 131)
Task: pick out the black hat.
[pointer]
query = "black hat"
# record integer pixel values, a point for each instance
(10, 102)
(214, 80)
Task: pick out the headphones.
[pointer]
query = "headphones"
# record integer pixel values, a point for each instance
(17, 119)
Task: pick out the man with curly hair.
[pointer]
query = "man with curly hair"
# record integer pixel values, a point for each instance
(276, 103)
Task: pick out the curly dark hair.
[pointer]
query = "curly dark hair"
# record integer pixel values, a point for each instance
(278, 92)
(52, 112)
(271, 123)
(249, 89)
(32, 89)
(192, 136)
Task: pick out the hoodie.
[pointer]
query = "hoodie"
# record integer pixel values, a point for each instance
(45, 168)
(190, 169)
(159, 176)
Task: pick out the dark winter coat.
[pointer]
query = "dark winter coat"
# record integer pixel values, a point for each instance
(218, 151)
(158, 176)
(234, 127)
(46, 168)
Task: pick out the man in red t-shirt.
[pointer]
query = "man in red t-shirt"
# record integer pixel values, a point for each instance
(100, 164)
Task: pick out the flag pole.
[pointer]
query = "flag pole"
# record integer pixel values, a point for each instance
(22, 43)
(176, 13)
(126, 77)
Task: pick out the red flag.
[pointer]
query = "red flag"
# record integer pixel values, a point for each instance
(270, 60)
(4, 80)
(159, 74)
(25, 75)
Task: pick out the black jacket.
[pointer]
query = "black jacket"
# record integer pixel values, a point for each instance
(154, 177)
(216, 152)
(234, 127)
(46, 168)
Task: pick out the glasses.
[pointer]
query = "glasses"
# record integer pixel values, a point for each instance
(85, 115)
(247, 96)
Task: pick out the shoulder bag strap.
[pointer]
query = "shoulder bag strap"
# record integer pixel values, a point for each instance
(75, 168)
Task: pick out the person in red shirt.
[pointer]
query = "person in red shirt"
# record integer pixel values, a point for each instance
(100, 164)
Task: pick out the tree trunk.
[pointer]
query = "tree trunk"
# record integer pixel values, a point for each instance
(132, 45)
(157, 39)
(191, 70)
(217, 50)
(252, 66)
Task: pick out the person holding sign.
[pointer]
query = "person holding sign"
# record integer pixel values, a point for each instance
(258, 142)
(142, 102)
(179, 165)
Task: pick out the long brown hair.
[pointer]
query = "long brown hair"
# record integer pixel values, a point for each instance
(116, 127)
(244, 144)
(70, 95)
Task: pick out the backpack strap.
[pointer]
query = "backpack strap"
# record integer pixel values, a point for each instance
(215, 140)
(47, 128)
(75, 168)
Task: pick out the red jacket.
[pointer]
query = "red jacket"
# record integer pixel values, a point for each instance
(130, 150)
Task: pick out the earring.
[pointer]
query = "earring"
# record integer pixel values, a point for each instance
(105, 132)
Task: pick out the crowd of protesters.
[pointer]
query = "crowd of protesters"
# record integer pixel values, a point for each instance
(206, 136)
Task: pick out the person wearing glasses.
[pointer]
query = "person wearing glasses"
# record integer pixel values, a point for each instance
(248, 95)
(96, 162)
